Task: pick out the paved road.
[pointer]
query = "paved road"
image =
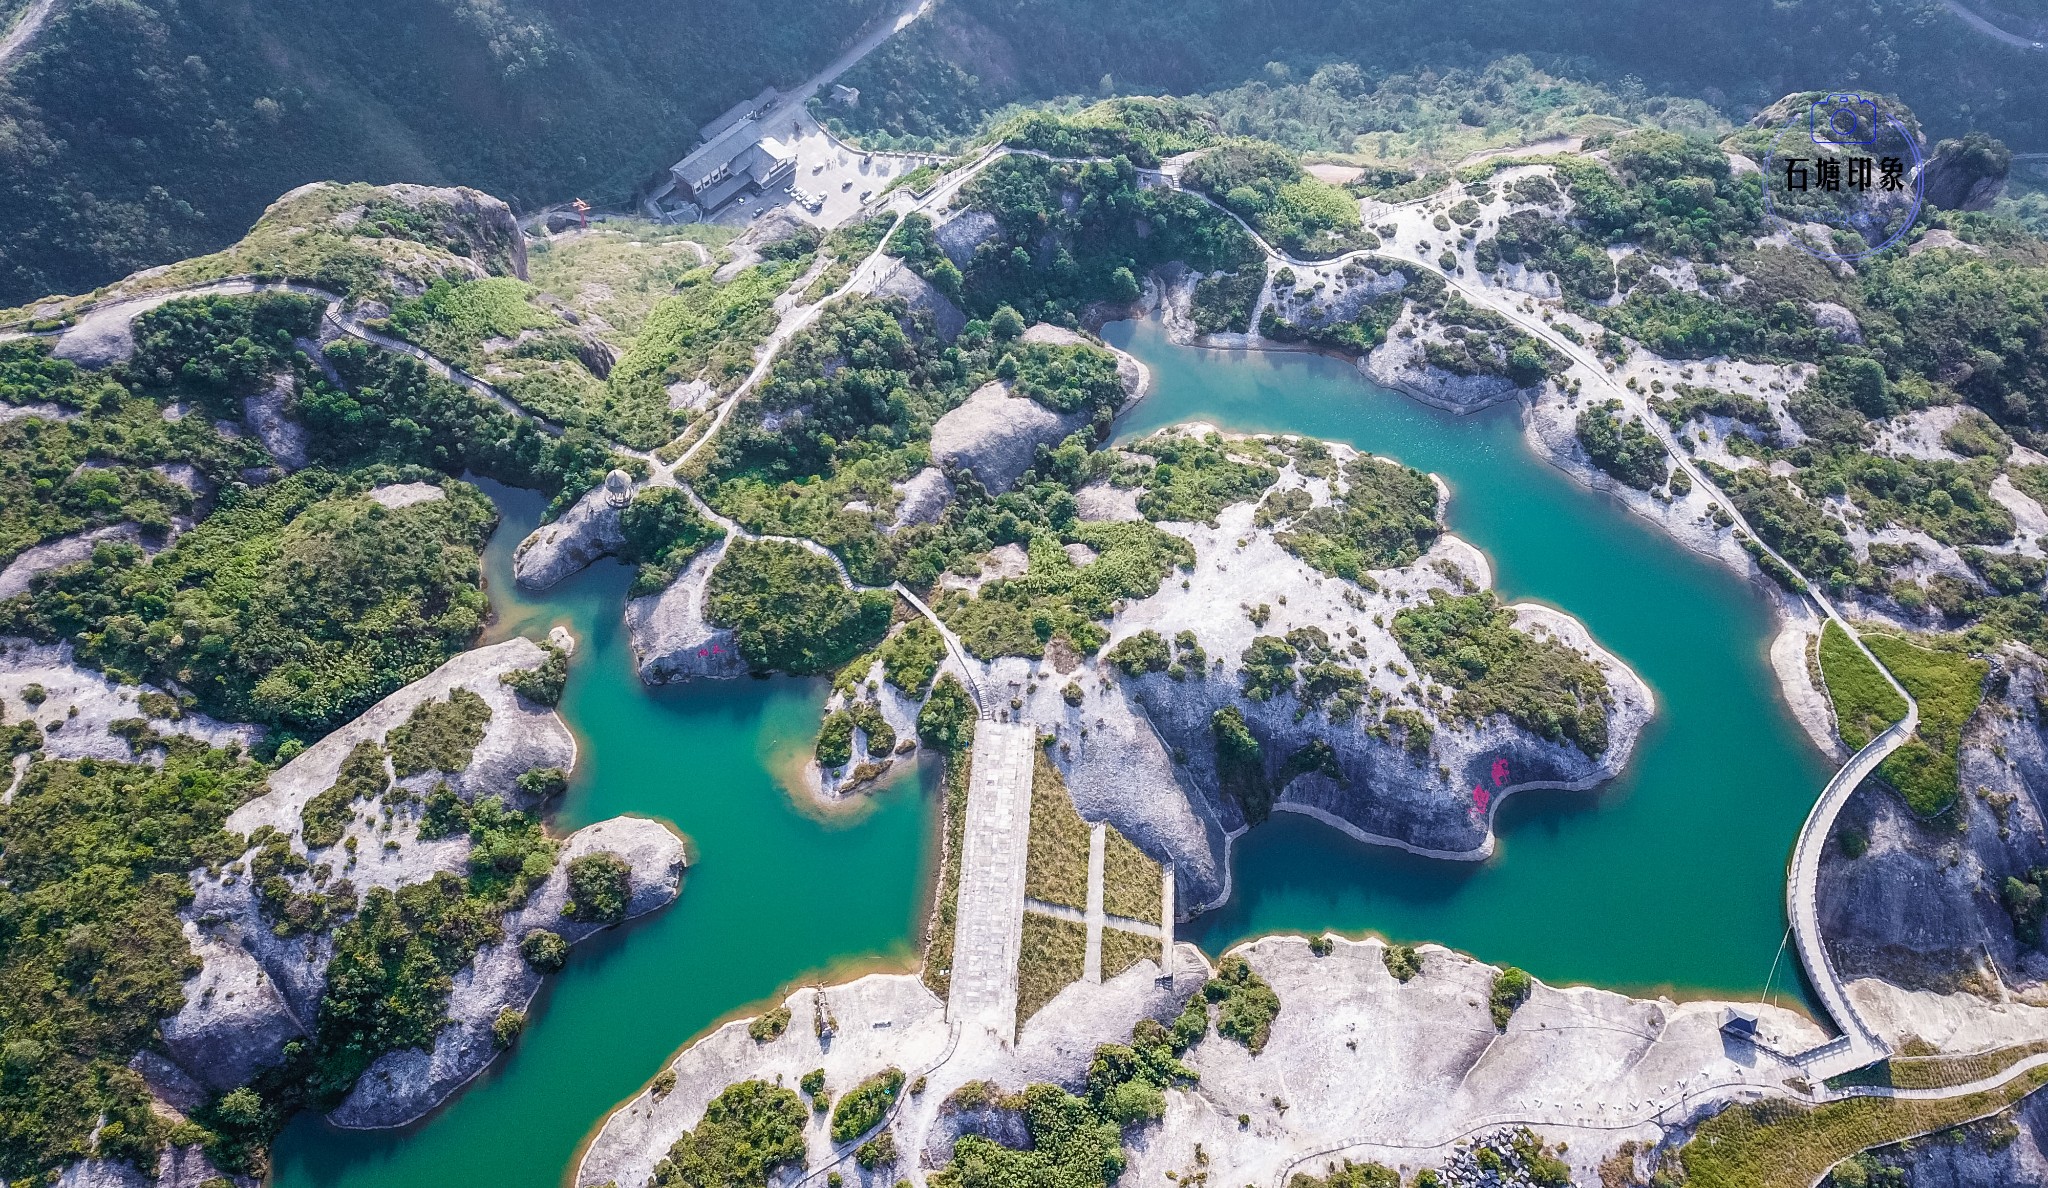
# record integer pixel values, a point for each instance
(989, 928)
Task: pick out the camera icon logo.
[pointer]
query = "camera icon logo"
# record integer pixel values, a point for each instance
(1843, 121)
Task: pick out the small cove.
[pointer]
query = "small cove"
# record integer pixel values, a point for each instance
(1671, 876)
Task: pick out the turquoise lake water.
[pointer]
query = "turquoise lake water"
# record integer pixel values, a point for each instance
(1671, 877)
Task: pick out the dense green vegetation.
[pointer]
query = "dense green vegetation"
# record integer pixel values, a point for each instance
(1350, 1175)
(198, 117)
(542, 684)
(789, 610)
(911, 657)
(1070, 234)
(847, 412)
(1197, 476)
(1059, 599)
(440, 735)
(392, 409)
(1620, 445)
(296, 604)
(1471, 643)
(1865, 703)
(662, 532)
(46, 488)
(1264, 185)
(600, 888)
(1077, 1142)
(1245, 1005)
(749, 1131)
(93, 863)
(1948, 687)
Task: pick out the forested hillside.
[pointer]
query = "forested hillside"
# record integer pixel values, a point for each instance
(134, 133)
(973, 56)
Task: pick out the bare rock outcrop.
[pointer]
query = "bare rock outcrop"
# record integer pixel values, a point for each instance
(995, 435)
(672, 641)
(1357, 1061)
(590, 529)
(919, 296)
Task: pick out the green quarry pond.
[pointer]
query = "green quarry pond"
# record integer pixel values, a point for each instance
(1670, 878)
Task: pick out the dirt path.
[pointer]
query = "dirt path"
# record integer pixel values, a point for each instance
(24, 30)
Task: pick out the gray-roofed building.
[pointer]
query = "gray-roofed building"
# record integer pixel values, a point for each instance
(736, 155)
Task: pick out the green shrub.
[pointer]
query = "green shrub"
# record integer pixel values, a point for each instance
(1403, 962)
(1621, 446)
(544, 683)
(506, 1027)
(326, 816)
(835, 740)
(911, 657)
(946, 720)
(1246, 1005)
(879, 1151)
(542, 783)
(600, 888)
(545, 951)
(863, 1107)
(1141, 653)
(1511, 989)
(769, 1025)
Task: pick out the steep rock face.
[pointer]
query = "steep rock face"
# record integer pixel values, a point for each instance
(995, 435)
(924, 498)
(405, 1084)
(590, 529)
(671, 639)
(1920, 909)
(234, 1021)
(482, 227)
(919, 295)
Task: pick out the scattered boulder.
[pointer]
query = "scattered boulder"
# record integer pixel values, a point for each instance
(397, 495)
(1836, 320)
(1966, 174)
(264, 413)
(924, 498)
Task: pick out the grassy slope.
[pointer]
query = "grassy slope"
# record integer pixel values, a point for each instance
(1056, 861)
(1864, 701)
(1948, 686)
(1780, 1145)
(1130, 881)
(1051, 960)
